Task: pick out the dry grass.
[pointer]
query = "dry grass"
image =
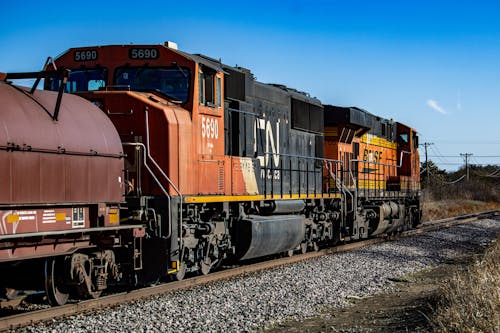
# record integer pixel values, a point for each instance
(442, 200)
(433, 210)
(470, 300)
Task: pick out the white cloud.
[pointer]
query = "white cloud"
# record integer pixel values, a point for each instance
(435, 106)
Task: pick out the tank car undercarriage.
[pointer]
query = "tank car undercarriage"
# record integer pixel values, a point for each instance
(83, 267)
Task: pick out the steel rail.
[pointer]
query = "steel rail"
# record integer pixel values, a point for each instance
(86, 306)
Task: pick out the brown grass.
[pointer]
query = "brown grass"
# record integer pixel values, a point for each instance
(433, 210)
(470, 300)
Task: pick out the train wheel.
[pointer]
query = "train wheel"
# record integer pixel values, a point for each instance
(57, 292)
(86, 294)
(303, 247)
(205, 265)
(316, 246)
(181, 273)
(10, 293)
(290, 252)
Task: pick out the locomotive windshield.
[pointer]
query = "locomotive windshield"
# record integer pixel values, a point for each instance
(82, 80)
(170, 81)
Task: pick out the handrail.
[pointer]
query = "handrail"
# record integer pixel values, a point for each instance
(396, 166)
(141, 145)
(384, 164)
(166, 177)
(355, 196)
(341, 186)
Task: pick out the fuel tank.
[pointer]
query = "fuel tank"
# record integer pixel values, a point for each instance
(257, 236)
(389, 217)
(74, 159)
(282, 207)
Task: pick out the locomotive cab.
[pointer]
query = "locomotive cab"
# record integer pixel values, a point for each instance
(409, 172)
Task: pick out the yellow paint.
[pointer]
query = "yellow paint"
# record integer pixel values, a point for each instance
(175, 265)
(248, 172)
(13, 218)
(113, 216)
(371, 184)
(377, 141)
(60, 216)
(233, 198)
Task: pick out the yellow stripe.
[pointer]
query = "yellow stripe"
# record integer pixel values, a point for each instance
(233, 198)
(371, 184)
(377, 141)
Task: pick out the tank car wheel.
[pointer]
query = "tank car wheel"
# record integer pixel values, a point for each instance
(57, 292)
(205, 265)
(290, 252)
(316, 246)
(303, 247)
(10, 293)
(83, 292)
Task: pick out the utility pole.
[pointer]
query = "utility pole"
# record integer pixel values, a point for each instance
(466, 156)
(427, 173)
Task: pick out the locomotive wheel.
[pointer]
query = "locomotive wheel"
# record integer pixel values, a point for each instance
(181, 273)
(57, 292)
(205, 265)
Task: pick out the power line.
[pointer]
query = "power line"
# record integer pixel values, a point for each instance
(439, 155)
(457, 156)
(492, 142)
(466, 156)
(427, 178)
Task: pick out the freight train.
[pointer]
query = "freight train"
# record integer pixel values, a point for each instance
(142, 162)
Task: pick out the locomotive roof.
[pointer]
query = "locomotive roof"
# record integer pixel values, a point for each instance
(351, 115)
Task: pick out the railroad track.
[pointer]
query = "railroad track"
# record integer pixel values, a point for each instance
(27, 318)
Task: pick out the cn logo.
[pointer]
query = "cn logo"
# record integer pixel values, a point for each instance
(272, 141)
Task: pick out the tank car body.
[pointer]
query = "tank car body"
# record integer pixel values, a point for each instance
(61, 173)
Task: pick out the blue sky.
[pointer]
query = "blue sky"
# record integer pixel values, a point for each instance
(434, 65)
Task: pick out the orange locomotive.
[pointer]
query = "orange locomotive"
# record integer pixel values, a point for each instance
(219, 166)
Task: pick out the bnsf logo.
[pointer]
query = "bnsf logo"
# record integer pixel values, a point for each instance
(372, 156)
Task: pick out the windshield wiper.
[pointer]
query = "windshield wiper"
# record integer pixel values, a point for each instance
(180, 69)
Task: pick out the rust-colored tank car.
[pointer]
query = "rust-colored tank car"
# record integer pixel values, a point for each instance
(61, 174)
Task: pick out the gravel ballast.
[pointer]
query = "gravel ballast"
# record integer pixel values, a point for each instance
(297, 291)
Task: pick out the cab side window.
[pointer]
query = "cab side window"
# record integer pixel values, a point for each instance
(206, 79)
